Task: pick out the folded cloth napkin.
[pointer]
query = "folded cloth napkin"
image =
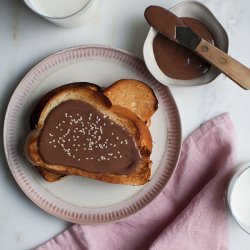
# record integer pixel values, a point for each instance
(190, 212)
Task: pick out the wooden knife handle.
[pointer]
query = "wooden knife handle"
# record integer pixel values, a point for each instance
(229, 66)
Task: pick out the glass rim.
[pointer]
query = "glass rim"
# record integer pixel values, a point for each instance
(27, 2)
(238, 173)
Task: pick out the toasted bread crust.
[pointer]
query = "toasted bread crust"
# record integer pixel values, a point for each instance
(134, 95)
(50, 176)
(120, 115)
(35, 114)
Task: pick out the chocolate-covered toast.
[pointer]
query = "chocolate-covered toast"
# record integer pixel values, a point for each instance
(80, 132)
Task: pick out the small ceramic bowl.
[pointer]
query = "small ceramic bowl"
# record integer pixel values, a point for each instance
(238, 196)
(200, 12)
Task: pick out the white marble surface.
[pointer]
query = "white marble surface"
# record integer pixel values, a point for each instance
(25, 39)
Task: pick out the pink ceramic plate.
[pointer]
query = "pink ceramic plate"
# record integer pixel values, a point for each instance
(74, 198)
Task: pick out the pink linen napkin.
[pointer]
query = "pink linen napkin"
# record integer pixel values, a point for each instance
(190, 213)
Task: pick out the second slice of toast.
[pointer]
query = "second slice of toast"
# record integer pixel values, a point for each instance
(134, 95)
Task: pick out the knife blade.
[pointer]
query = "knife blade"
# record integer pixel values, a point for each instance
(171, 26)
(176, 30)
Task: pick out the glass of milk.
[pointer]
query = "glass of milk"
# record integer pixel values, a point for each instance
(238, 196)
(65, 13)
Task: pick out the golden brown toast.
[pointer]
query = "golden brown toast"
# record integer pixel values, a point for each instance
(134, 95)
(116, 91)
(121, 116)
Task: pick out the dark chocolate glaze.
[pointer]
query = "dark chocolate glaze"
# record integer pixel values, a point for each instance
(177, 61)
(78, 135)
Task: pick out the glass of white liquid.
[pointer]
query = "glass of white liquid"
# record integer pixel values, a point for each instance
(65, 13)
(238, 196)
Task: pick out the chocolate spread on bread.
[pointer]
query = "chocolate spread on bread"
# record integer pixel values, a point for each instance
(76, 134)
(177, 61)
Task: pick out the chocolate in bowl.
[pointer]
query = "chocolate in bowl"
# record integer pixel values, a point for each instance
(177, 61)
(199, 11)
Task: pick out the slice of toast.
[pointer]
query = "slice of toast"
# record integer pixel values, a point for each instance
(121, 116)
(116, 90)
(134, 95)
(35, 114)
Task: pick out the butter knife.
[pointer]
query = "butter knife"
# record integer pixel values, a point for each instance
(175, 29)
